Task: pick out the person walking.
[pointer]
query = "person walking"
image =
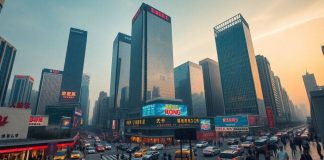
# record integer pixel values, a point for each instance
(319, 149)
(306, 146)
(282, 154)
(306, 156)
(292, 147)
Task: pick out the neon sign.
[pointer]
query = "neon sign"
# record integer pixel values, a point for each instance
(159, 14)
(68, 94)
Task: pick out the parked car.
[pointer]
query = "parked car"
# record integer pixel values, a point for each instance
(211, 151)
(232, 141)
(134, 149)
(140, 153)
(261, 145)
(247, 144)
(75, 154)
(230, 155)
(151, 155)
(91, 150)
(100, 148)
(60, 155)
(157, 147)
(202, 144)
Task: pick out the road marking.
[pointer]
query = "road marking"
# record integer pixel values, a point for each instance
(112, 157)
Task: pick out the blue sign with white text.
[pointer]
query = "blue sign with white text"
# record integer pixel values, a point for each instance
(160, 109)
(232, 121)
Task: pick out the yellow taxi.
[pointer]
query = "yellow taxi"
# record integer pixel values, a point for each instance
(60, 155)
(185, 155)
(76, 154)
(140, 153)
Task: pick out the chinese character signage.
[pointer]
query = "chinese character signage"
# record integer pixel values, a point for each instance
(231, 121)
(38, 121)
(205, 124)
(68, 95)
(13, 123)
(271, 121)
(232, 129)
(169, 110)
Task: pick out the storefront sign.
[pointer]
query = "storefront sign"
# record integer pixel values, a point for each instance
(271, 121)
(38, 121)
(13, 123)
(206, 136)
(68, 95)
(232, 129)
(231, 121)
(205, 124)
(159, 109)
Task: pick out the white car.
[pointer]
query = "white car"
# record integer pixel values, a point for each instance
(202, 144)
(211, 151)
(157, 147)
(91, 150)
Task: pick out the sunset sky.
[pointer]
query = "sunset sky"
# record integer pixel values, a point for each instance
(289, 33)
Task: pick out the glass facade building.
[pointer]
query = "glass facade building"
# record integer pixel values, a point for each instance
(49, 89)
(7, 58)
(85, 102)
(189, 87)
(73, 67)
(213, 88)
(21, 90)
(120, 71)
(239, 73)
(151, 71)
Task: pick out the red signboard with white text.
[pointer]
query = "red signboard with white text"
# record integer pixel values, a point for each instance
(38, 121)
(271, 120)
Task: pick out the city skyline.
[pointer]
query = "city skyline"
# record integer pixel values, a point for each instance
(100, 81)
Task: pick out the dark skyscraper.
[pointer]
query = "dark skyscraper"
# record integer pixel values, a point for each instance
(73, 67)
(120, 70)
(49, 89)
(7, 58)
(239, 72)
(213, 87)
(85, 102)
(151, 71)
(21, 90)
(189, 87)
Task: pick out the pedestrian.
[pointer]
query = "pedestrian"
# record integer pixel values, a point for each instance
(319, 149)
(100, 156)
(282, 155)
(275, 149)
(169, 157)
(117, 155)
(306, 156)
(292, 147)
(306, 145)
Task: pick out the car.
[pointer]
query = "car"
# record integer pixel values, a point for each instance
(106, 145)
(202, 144)
(230, 155)
(86, 144)
(187, 147)
(96, 144)
(75, 154)
(232, 141)
(60, 155)
(134, 149)
(140, 153)
(157, 147)
(250, 138)
(184, 155)
(261, 145)
(122, 147)
(247, 144)
(91, 150)
(151, 155)
(274, 139)
(100, 148)
(89, 136)
(236, 148)
(211, 151)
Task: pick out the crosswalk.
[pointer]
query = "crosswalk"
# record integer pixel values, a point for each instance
(113, 157)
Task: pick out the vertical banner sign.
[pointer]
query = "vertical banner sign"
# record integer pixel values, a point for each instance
(271, 122)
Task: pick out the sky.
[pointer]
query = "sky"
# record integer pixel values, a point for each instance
(289, 33)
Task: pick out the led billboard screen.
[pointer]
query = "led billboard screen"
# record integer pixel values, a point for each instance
(159, 109)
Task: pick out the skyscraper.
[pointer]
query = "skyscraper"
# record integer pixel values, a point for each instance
(33, 100)
(280, 106)
(213, 87)
(100, 114)
(151, 71)
(7, 58)
(120, 70)
(21, 90)
(310, 83)
(285, 100)
(73, 67)
(49, 89)
(189, 86)
(268, 85)
(1, 4)
(85, 102)
(238, 69)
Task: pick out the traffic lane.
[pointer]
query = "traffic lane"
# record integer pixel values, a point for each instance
(97, 155)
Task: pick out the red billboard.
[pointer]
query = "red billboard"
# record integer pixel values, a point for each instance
(271, 120)
(206, 136)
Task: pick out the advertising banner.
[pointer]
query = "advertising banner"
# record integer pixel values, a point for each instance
(164, 110)
(232, 129)
(14, 123)
(271, 121)
(232, 121)
(205, 124)
(38, 121)
(206, 136)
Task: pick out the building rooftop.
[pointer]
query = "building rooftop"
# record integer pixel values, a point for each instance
(229, 23)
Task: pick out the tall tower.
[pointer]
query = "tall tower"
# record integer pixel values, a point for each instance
(239, 72)
(84, 102)
(151, 71)
(21, 90)
(73, 67)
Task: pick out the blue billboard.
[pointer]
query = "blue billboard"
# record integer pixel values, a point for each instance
(232, 121)
(160, 109)
(205, 124)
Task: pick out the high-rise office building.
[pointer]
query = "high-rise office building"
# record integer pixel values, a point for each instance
(310, 83)
(317, 103)
(238, 69)
(285, 100)
(151, 71)
(33, 100)
(280, 105)
(85, 102)
(268, 85)
(49, 90)
(21, 90)
(100, 114)
(7, 58)
(73, 67)
(189, 86)
(120, 70)
(1, 4)
(213, 87)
